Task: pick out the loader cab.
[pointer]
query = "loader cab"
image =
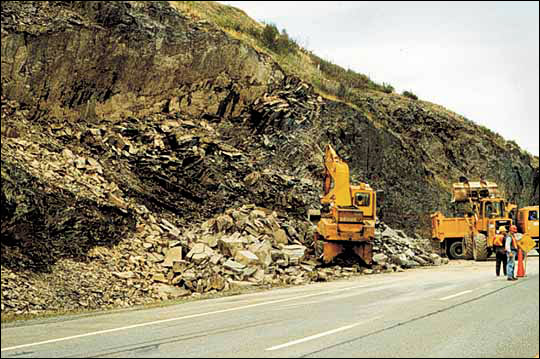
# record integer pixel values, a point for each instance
(492, 215)
(492, 209)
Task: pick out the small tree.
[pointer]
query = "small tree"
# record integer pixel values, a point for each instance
(270, 36)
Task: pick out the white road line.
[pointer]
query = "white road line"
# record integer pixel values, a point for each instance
(180, 318)
(297, 304)
(456, 295)
(316, 336)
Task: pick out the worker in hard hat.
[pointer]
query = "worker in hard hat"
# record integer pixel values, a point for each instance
(511, 248)
(500, 253)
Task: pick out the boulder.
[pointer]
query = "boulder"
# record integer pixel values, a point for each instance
(280, 237)
(173, 255)
(217, 282)
(159, 277)
(409, 253)
(189, 275)
(230, 245)
(223, 223)
(295, 252)
(263, 253)
(171, 291)
(421, 261)
(389, 233)
(234, 266)
(199, 253)
(246, 257)
(435, 259)
(380, 258)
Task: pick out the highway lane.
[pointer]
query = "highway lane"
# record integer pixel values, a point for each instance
(458, 310)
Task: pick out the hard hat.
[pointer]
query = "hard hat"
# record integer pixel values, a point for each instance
(502, 229)
(513, 229)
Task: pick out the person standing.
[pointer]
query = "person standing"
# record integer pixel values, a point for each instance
(510, 246)
(500, 253)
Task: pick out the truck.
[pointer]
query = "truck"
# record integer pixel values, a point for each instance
(347, 220)
(527, 222)
(471, 236)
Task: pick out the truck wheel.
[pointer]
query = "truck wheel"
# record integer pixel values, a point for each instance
(455, 251)
(480, 249)
(468, 247)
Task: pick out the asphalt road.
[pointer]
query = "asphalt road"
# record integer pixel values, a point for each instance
(457, 310)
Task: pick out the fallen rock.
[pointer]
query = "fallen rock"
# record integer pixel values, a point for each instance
(281, 237)
(172, 291)
(246, 257)
(295, 253)
(234, 266)
(173, 255)
(200, 253)
(380, 258)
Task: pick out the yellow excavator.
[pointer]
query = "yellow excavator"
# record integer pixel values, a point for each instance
(349, 212)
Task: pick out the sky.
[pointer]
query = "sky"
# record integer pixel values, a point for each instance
(478, 59)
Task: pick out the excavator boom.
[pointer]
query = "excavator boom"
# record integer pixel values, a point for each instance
(336, 171)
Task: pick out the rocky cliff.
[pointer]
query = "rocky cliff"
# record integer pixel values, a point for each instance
(125, 124)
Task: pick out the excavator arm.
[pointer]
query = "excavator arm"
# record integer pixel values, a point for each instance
(336, 173)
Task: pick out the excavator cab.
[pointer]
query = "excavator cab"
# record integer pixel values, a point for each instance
(362, 199)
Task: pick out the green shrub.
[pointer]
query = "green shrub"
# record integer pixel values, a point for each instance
(409, 94)
(342, 90)
(279, 43)
(387, 88)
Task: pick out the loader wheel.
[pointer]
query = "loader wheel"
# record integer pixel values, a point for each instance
(468, 247)
(455, 251)
(480, 249)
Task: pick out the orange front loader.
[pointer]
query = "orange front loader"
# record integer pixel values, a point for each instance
(471, 236)
(348, 220)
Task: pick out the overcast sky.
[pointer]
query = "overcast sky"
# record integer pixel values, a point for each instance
(479, 59)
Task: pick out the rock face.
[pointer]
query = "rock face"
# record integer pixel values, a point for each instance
(91, 59)
(148, 155)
